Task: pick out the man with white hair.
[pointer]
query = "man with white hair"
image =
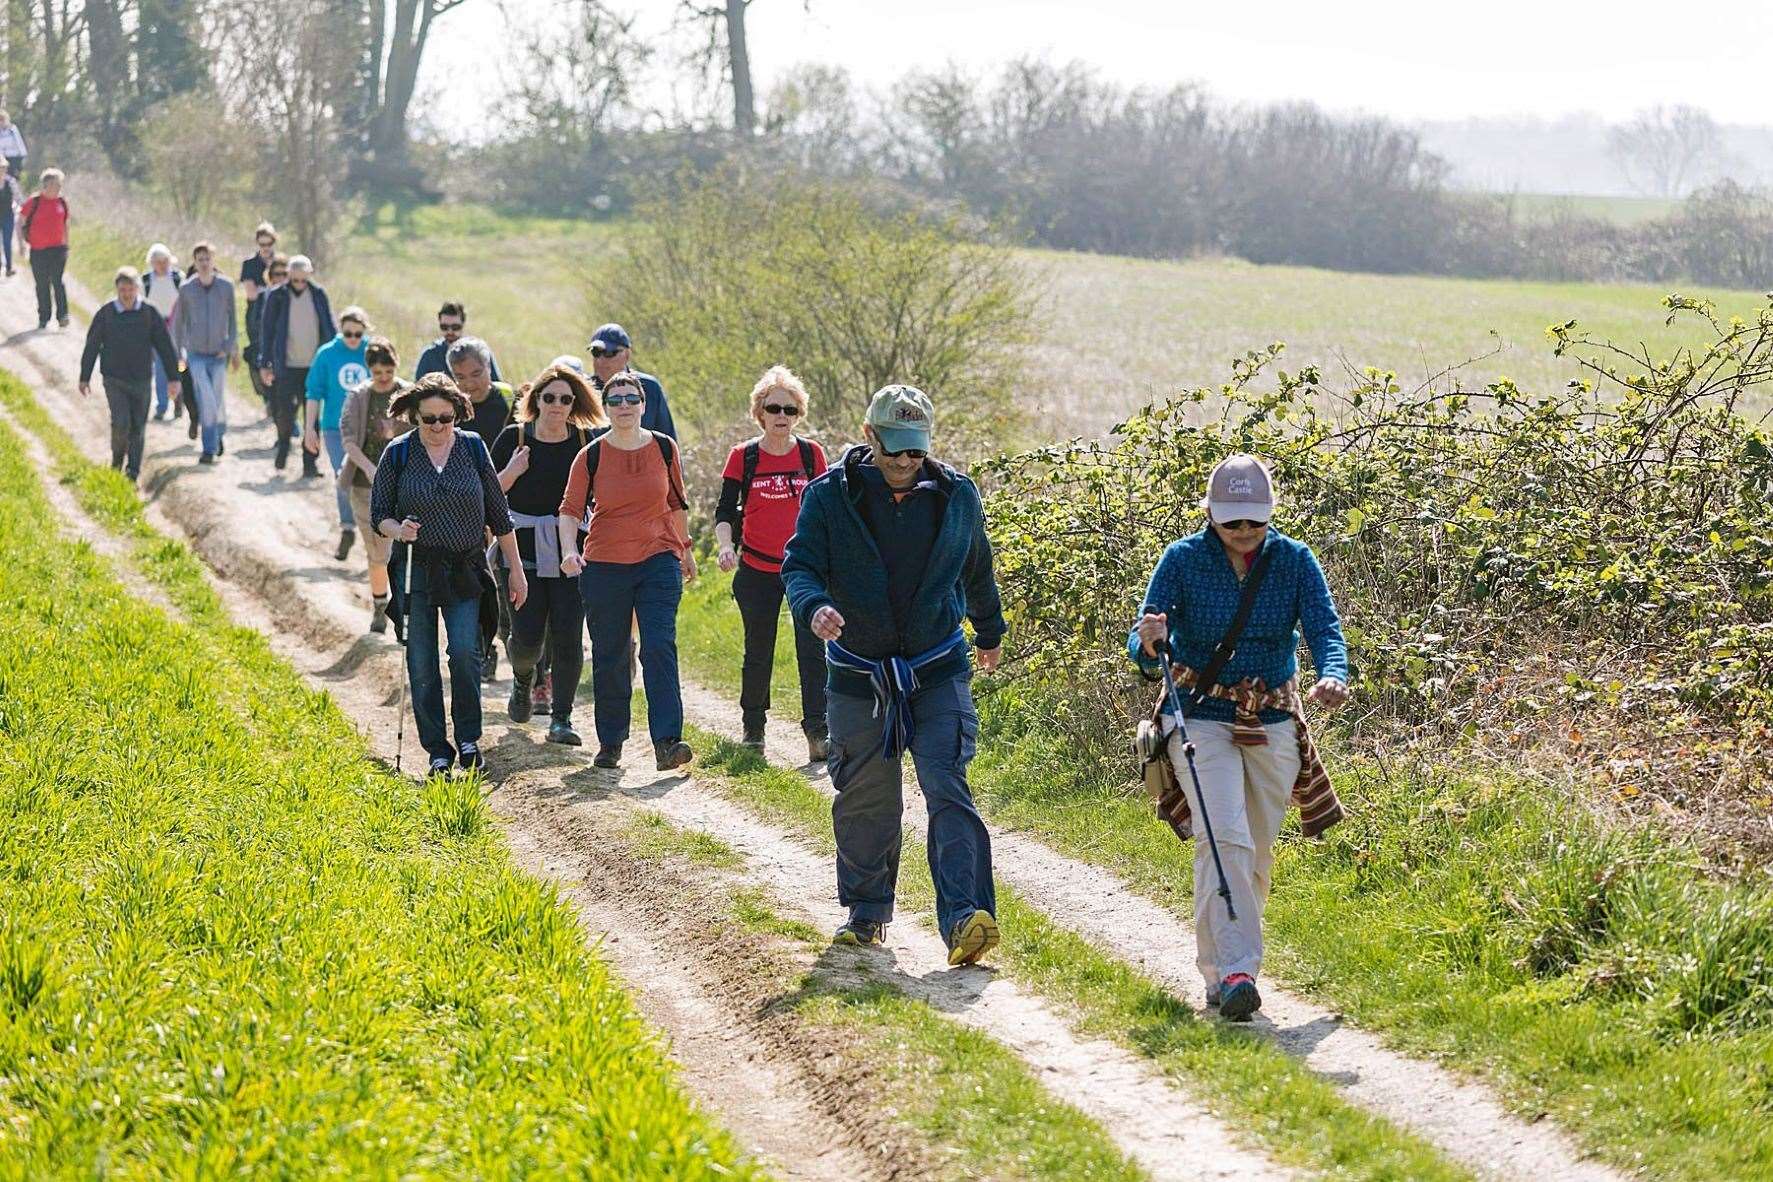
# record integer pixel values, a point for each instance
(296, 321)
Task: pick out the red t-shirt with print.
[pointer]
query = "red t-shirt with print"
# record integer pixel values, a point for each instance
(773, 504)
(49, 221)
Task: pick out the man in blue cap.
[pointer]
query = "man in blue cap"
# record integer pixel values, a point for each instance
(889, 552)
(611, 351)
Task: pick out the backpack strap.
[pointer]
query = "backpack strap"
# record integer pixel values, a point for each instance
(748, 471)
(666, 452)
(806, 458)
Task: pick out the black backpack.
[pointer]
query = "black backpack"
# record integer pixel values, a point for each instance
(666, 453)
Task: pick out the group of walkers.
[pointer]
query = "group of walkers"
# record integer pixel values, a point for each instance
(557, 510)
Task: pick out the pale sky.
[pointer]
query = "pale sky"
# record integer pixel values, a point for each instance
(1404, 58)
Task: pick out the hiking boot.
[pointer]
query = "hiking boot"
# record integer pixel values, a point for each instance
(671, 754)
(519, 707)
(818, 743)
(1238, 998)
(191, 428)
(489, 665)
(561, 731)
(378, 619)
(346, 537)
(310, 465)
(972, 938)
(541, 698)
(753, 739)
(860, 933)
(281, 459)
(440, 765)
(469, 759)
(206, 458)
(608, 755)
(64, 321)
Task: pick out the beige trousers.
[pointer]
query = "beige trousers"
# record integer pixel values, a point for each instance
(1247, 791)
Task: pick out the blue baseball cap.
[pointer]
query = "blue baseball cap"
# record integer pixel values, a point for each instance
(611, 338)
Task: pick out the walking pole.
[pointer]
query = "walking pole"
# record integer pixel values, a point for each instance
(405, 632)
(1200, 800)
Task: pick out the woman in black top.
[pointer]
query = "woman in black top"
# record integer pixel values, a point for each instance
(556, 414)
(435, 488)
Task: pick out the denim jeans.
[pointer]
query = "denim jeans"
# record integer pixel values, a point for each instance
(870, 797)
(549, 622)
(759, 595)
(614, 594)
(161, 401)
(6, 216)
(129, 422)
(333, 440)
(461, 625)
(209, 376)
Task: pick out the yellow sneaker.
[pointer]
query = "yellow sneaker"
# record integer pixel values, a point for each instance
(972, 938)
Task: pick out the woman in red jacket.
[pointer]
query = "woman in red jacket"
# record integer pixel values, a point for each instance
(760, 500)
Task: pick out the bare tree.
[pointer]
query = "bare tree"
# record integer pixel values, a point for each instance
(397, 34)
(726, 47)
(1664, 151)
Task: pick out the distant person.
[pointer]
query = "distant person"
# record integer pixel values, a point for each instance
(205, 332)
(556, 413)
(256, 279)
(296, 321)
(339, 365)
(888, 554)
(43, 232)
(366, 426)
(435, 489)
(634, 562)
(160, 287)
(760, 497)
(470, 364)
(12, 146)
(611, 352)
(11, 194)
(452, 319)
(126, 332)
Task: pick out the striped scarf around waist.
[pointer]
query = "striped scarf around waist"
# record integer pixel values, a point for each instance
(894, 680)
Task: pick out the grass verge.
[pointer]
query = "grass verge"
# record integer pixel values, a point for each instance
(1587, 973)
(233, 943)
(956, 1088)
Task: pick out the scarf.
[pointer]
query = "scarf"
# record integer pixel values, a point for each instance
(894, 681)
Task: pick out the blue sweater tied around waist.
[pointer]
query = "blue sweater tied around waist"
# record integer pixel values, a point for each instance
(1196, 584)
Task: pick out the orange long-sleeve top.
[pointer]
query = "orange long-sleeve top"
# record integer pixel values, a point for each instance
(634, 502)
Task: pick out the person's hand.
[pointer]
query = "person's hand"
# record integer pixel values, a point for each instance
(729, 559)
(1328, 693)
(183, 365)
(518, 464)
(86, 389)
(688, 563)
(989, 657)
(519, 586)
(268, 376)
(1154, 629)
(311, 441)
(572, 565)
(233, 362)
(408, 531)
(827, 623)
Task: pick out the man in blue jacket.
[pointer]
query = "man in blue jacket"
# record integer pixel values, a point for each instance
(297, 320)
(611, 352)
(889, 552)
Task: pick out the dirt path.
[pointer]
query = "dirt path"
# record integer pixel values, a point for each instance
(273, 540)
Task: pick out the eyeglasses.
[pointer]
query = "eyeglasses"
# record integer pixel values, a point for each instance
(457, 327)
(790, 410)
(437, 420)
(913, 453)
(634, 399)
(548, 399)
(1243, 523)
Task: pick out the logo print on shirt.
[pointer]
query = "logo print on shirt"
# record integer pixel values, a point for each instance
(352, 373)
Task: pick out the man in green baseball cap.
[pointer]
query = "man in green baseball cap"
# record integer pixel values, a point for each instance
(888, 553)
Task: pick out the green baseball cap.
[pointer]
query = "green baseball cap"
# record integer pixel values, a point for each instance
(902, 417)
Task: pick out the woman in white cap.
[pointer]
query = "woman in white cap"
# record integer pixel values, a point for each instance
(1241, 701)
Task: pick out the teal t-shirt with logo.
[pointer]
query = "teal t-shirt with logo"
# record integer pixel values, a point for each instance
(337, 368)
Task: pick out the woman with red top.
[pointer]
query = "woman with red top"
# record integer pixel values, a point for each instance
(635, 560)
(43, 231)
(760, 500)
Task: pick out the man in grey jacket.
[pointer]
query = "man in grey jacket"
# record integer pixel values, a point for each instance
(203, 330)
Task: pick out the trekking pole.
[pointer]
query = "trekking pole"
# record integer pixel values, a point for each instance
(405, 631)
(1200, 800)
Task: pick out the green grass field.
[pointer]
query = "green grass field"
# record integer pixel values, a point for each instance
(231, 943)
(1624, 211)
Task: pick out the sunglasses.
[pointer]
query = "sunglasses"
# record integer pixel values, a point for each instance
(913, 453)
(280, 274)
(790, 410)
(548, 399)
(634, 399)
(442, 327)
(1243, 523)
(352, 336)
(263, 245)
(437, 420)
(603, 351)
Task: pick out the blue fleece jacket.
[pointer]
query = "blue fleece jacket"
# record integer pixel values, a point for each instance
(337, 368)
(1194, 582)
(833, 560)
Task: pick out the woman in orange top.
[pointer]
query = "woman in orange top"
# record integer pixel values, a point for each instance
(635, 561)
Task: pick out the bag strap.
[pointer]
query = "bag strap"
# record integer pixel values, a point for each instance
(806, 458)
(1228, 644)
(673, 489)
(748, 471)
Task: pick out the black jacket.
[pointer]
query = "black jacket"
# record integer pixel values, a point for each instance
(124, 343)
